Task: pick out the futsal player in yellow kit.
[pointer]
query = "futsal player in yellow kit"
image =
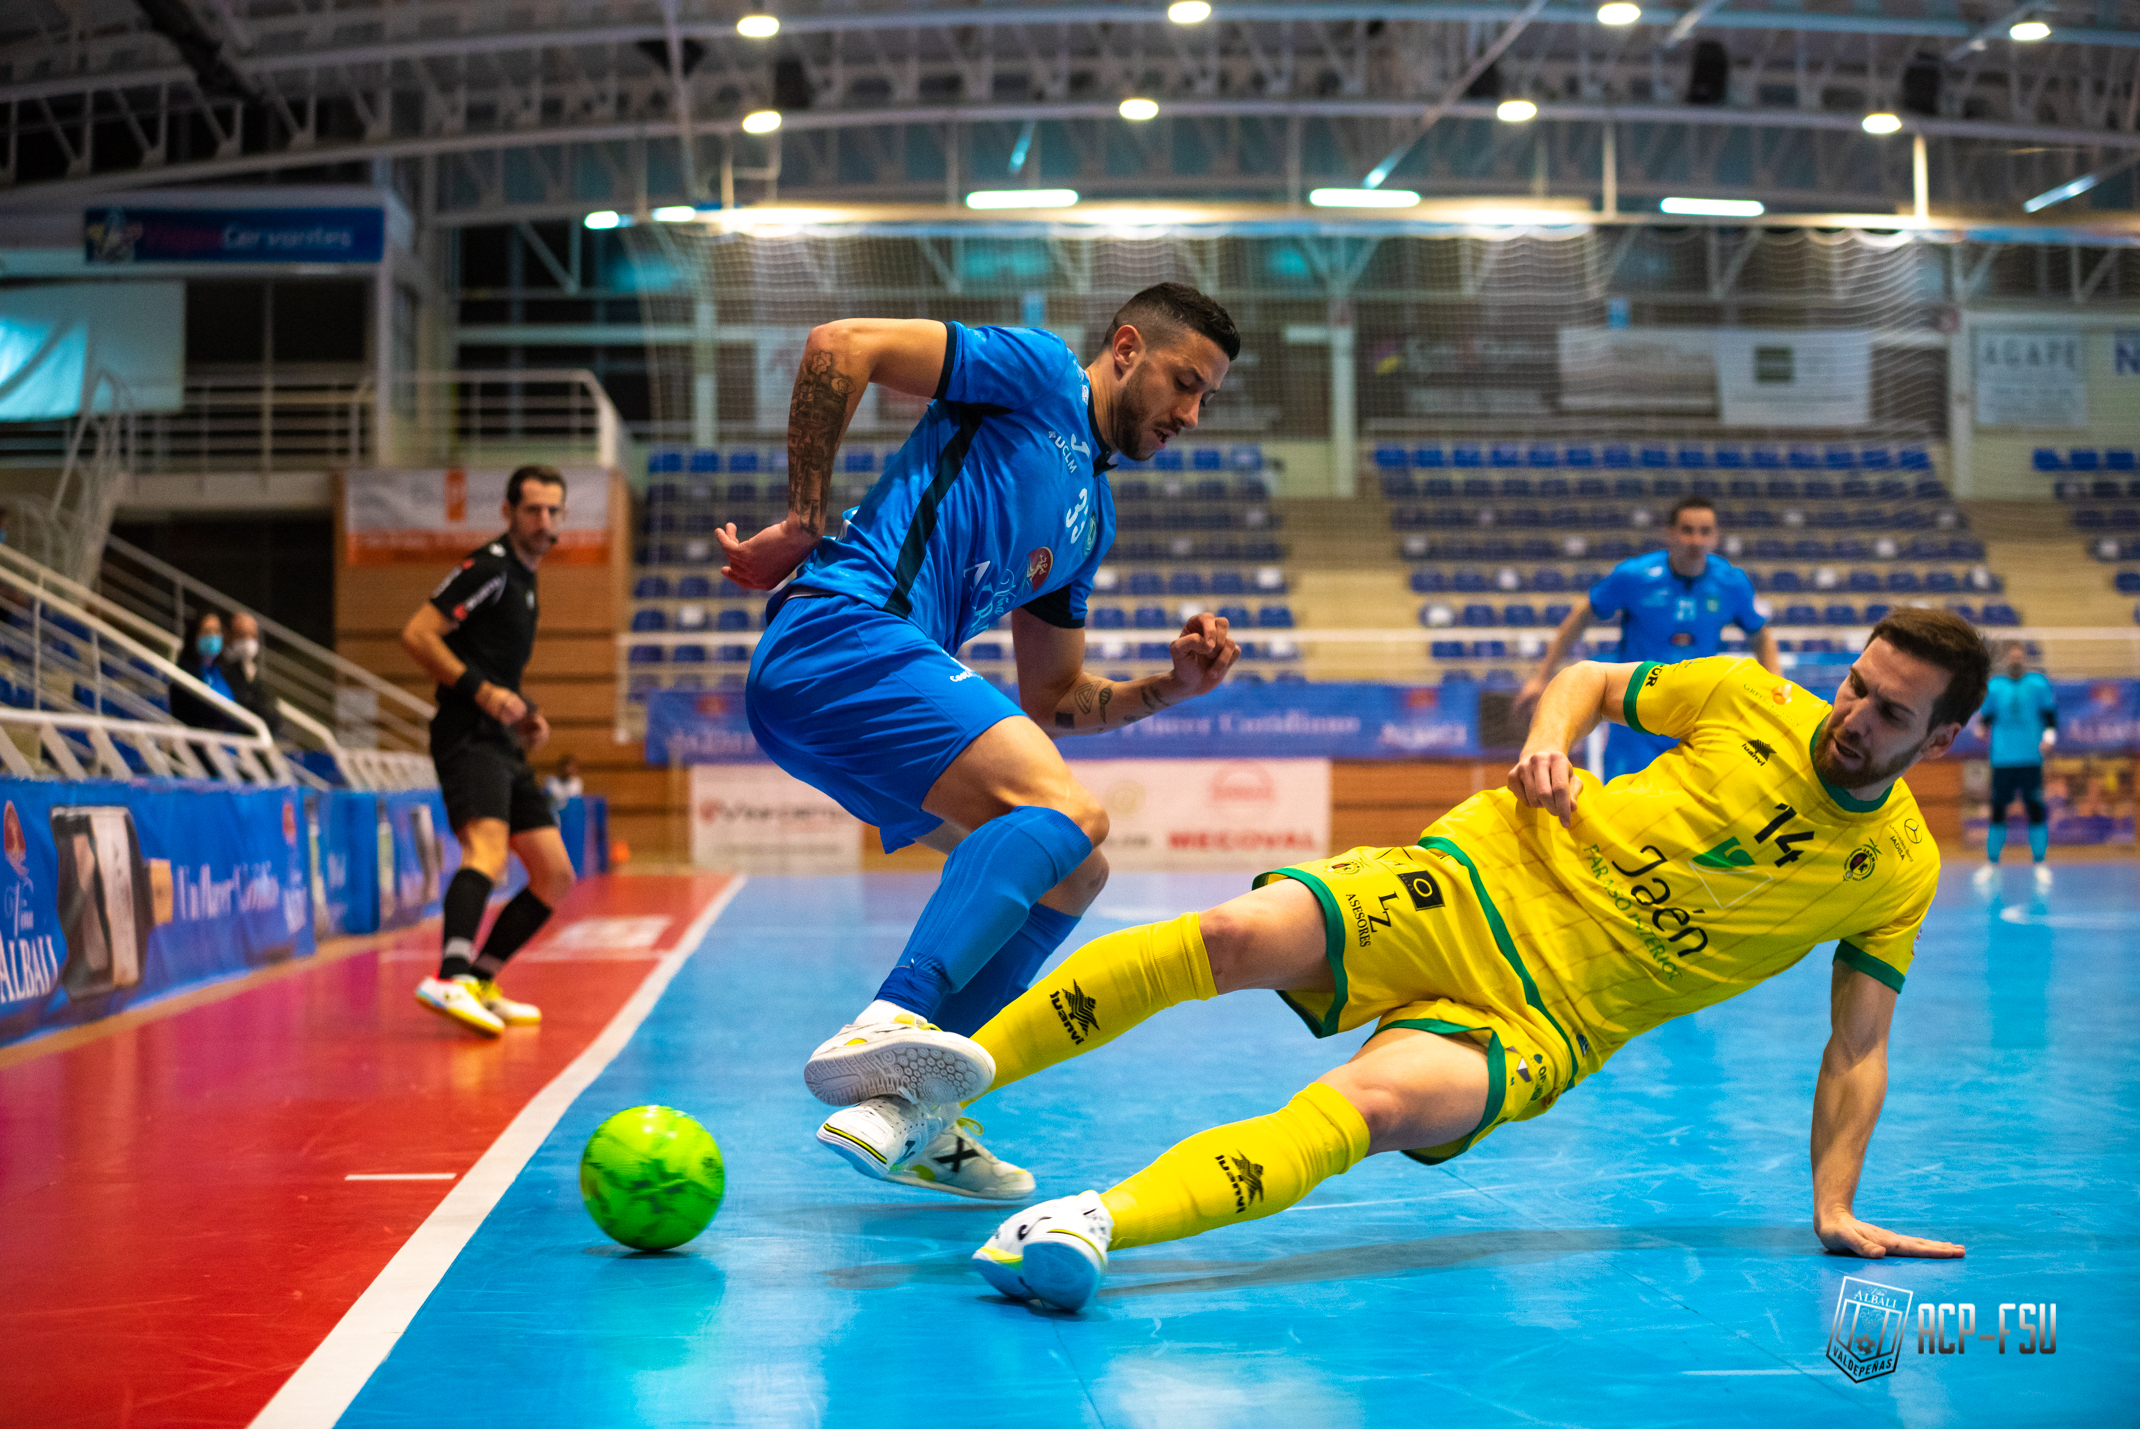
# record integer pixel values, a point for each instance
(1535, 930)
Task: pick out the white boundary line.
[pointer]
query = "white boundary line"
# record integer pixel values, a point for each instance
(332, 1375)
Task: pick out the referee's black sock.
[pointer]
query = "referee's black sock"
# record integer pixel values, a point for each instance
(466, 898)
(517, 923)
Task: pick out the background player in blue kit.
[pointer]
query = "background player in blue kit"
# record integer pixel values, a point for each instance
(997, 504)
(1673, 605)
(2020, 714)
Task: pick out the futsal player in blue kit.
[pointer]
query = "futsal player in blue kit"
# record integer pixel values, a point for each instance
(997, 504)
(1673, 605)
(2020, 714)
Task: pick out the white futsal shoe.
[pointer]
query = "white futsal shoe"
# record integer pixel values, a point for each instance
(456, 998)
(906, 1056)
(957, 1162)
(880, 1135)
(2043, 878)
(1055, 1252)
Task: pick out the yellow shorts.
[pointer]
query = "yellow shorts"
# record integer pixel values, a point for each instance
(1414, 941)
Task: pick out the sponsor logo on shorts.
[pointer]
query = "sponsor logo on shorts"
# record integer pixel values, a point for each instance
(1363, 920)
(1075, 1010)
(1245, 1176)
(1860, 864)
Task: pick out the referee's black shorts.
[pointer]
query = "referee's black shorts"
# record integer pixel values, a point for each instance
(2024, 781)
(490, 779)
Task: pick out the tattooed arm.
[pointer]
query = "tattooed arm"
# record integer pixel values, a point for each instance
(1063, 698)
(839, 361)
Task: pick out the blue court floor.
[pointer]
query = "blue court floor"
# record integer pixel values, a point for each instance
(1642, 1255)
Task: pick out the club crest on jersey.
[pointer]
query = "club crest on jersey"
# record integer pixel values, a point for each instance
(1037, 566)
(1860, 863)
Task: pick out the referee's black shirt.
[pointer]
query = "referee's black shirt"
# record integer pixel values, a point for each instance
(491, 600)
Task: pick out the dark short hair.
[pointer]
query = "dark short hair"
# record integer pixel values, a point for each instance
(547, 475)
(1178, 307)
(1941, 638)
(1689, 503)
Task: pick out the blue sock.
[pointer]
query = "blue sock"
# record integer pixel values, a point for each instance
(2039, 840)
(991, 882)
(1995, 840)
(1007, 974)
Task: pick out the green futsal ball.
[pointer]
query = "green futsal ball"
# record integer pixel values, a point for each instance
(651, 1177)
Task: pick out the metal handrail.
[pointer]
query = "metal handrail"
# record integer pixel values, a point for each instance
(82, 595)
(369, 769)
(609, 426)
(171, 751)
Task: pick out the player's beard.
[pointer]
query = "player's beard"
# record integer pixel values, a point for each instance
(1826, 765)
(1135, 421)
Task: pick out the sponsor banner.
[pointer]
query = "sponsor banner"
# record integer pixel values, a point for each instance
(395, 516)
(1794, 377)
(2087, 799)
(2029, 378)
(755, 818)
(111, 893)
(1320, 721)
(1217, 814)
(2094, 717)
(583, 823)
(116, 234)
(1657, 369)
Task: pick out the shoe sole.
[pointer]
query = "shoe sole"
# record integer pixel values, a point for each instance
(1059, 1272)
(1002, 1274)
(906, 1178)
(460, 1019)
(858, 1154)
(924, 1072)
(535, 1021)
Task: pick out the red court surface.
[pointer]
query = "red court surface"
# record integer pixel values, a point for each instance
(180, 1230)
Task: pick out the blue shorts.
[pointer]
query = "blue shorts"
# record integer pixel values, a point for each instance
(1629, 751)
(863, 706)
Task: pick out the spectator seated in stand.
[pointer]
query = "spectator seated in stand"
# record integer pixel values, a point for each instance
(202, 658)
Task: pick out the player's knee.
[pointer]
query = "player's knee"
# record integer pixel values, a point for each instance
(554, 884)
(1075, 803)
(1229, 942)
(1085, 881)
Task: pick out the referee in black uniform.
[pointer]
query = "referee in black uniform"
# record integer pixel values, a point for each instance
(474, 637)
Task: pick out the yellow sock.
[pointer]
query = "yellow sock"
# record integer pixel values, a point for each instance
(1100, 992)
(1240, 1172)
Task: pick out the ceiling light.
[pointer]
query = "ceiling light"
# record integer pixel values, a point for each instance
(1363, 198)
(761, 121)
(1188, 12)
(1138, 109)
(1619, 12)
(1714, 207)
(758, 26)
(2029, 31)
(1882, 123)
(1021, 198)
(1516, 111)
(2063, 192)
(675, 213)
(605, 218)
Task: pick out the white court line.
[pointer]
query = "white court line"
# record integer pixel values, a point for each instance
(399, 1176)
(331, 1377)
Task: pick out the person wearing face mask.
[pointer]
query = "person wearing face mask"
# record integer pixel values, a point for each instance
(241, 671)
(201, 656)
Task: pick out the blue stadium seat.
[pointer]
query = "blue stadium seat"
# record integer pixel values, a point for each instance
(1785, 582)
(1555, 614)
(1466, 454)
(1437, 488)
(1228, 583)
(2127, 582)
(1185, 583)
(1914, 459)
(688, 655)
(1480, 616)
(1903, 582)
(1152, 650)
(1691, 459)
(1655, 458)
(1275, 617)
(1427, 581)
(1863, 581)
(1236, 616)
(858, 459)
(1877, 612)
(2001, 615)
(645, 655)
(1135, 491)
(1541, 456)
(1840, 614)
(1942, 582)
(694, 588)
(651, 588)
(743, 459)
(1506, 454)
(1391, 459)
(1151, 617)
(1146, 583)
(2084, 459)
(1398, 485)
(1800, 615)
(1519, 615)
(1454, 649)
(645, 621)
(1109, 617)
(1428, 458)
(732, 619)
(1580, 457)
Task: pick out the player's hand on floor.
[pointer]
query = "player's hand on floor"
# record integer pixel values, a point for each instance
(765, 560)
(1847, 1235)
(1203, 653)
(1546, 780)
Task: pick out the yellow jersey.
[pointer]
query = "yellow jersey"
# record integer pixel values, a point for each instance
(1719, 866)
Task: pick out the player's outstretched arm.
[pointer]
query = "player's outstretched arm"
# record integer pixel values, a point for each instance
(1571, 630)
(1578, 698)
(839, 360)
(1846, 1107)
(1061, 697)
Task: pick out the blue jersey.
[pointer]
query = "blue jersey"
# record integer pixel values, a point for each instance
(996, 501)
(2018, 712)
(1667, 617)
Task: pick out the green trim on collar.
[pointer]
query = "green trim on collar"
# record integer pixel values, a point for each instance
(1634, 688)
(1844, 799)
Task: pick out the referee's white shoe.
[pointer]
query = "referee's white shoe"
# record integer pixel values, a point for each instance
(902, 1056)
